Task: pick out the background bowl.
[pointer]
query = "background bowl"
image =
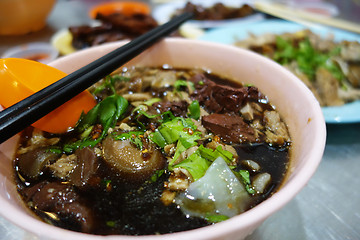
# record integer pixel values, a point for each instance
(19, 17)
(38, 51)
(291, 97)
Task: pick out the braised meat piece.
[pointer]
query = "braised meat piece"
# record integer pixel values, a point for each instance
(217, 12)
(113, 27)
(63, 200)
(136, 24)
(220, 98)
(179, 109)
(84, 173)
(231, 128)
(86, 36)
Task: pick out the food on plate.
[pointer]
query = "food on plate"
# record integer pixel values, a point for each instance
(164, 150)
(113, 27)
(216, 12)
(330, 69)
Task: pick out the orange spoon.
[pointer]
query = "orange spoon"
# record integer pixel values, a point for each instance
(20, 78)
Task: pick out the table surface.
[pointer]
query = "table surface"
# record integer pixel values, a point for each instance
(327, 208)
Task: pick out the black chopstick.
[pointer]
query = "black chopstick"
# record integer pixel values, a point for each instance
(22, 114)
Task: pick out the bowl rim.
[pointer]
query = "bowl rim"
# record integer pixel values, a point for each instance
(249, 218)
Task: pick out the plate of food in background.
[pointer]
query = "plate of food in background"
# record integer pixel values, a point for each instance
(327, 60)
(210, 13)
(111, 22)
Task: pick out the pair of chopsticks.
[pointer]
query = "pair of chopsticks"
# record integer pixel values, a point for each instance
(303, 17)
(24, 113)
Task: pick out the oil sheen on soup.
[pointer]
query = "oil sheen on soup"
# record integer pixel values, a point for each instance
(164, 150)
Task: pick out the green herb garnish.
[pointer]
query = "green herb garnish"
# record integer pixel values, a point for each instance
(307, 58)
(215, 218)
(244, 176)
(194, 110)
(157, 175)
(109, 83)
(106, 113)
(198, 162)
(134, 136)
(181, 84)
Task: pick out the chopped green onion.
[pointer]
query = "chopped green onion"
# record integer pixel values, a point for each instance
(194, 110)
(216, 218)
(307, 58)
(157, 175)
(110, 223)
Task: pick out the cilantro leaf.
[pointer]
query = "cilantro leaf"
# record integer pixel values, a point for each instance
(244, 176)
(134, 136)
(198, 162)
(195, 164)
(214, 154)
(179, 130)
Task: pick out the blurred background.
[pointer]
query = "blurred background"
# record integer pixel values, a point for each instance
(43, 18)
(328, 208)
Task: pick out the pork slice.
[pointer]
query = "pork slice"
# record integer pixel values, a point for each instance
(328, 86)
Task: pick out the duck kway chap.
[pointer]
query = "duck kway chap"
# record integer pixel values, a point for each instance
(164, 150)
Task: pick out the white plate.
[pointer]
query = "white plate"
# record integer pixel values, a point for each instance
(164, 12)
(348, 113)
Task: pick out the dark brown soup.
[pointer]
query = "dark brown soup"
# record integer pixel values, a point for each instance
(164, 150)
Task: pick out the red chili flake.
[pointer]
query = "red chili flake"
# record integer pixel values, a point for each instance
(189, 130)
(96, 132)
(152, 127)
(216, 139)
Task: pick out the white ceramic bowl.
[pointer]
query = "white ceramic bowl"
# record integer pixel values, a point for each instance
(291, 97)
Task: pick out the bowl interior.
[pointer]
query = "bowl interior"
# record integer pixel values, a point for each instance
(292, 99)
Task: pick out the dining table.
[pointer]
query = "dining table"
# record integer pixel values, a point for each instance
(328, 207)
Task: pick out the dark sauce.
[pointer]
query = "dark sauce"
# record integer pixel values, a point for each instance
(139, 211)
(272, 159)
(133, 209)
(126, 209)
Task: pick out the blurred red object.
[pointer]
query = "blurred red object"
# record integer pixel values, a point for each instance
(126, 8)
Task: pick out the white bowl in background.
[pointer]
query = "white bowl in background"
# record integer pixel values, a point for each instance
(291, 97)
(37, 51)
